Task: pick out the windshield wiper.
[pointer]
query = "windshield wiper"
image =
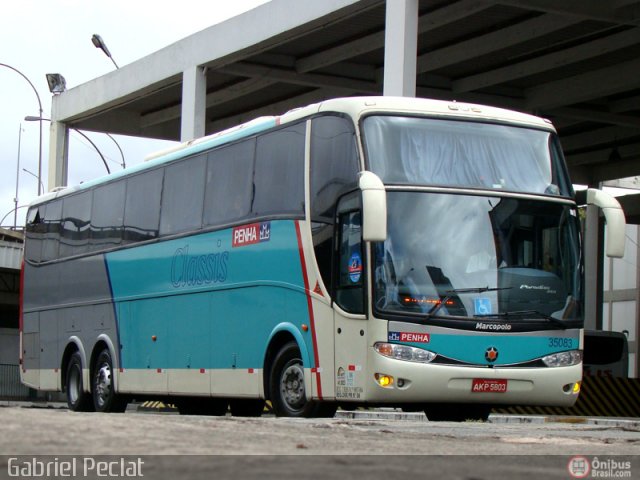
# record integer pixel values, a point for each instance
(455, 291)
(523, 313)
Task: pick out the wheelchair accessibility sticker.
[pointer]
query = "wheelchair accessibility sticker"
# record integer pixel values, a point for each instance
(482, 306)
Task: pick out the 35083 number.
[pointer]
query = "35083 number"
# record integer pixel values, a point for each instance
(558, 342)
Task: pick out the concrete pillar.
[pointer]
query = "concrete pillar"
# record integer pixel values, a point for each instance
(634, 343)
(593, 269)
(58, 155)
(194, 96)
(401, 48)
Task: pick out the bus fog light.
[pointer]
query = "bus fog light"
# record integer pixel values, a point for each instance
(384, 380)
(563, 359)
(404, 352)
(572, 388)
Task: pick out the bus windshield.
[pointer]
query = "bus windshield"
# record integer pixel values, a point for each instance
(479, 257)
(471, 154)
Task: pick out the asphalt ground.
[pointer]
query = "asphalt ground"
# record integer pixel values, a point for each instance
(363, 444)
(391, 414)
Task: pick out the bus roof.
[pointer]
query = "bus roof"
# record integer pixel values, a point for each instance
(355, 107)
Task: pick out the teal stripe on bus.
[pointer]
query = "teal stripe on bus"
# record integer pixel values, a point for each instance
(511, 348)
(201, 302)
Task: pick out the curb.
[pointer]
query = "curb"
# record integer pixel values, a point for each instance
(395, 415)
(494, 418)
(32, 404)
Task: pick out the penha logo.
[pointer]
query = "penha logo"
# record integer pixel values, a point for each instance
(251, 234)
(413, 337)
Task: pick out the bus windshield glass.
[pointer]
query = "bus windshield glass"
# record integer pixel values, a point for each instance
(469, 154)
(478, 257)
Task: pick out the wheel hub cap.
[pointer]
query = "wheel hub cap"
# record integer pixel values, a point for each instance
(292, 385)
(103, 383)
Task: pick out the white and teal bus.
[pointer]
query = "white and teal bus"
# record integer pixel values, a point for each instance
(359, 251)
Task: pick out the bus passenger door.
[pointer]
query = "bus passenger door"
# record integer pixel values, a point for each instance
(349, 302)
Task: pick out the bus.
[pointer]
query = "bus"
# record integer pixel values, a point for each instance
(370, 251)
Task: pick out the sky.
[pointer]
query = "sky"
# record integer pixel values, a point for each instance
(39, 37)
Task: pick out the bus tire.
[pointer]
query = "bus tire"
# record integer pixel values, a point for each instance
(246, 407)
(288, 389)
(286, 384)
(77, 399)
(442, 412)
(105, 398)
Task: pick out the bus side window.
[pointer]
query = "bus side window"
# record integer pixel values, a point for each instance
(52, 227)
(279, 172)
(183, 196)
(107, 216)
(76, 219)
(334, 169)
(334, 164)
(229, 183)
(350, 281)
(35, 230)
(142, 206)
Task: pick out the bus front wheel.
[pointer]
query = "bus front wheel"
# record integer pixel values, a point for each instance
(287, 386)
(105, 398)
(77, 399)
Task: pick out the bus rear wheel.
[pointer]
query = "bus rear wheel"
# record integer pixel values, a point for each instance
(288, 389)
(105, 398)
(77, 399)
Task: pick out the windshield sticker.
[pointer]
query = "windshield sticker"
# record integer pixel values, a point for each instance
(250, 234)
(355, 267)
(482, 306)
(409, 337)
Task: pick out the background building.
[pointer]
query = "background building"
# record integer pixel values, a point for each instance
(575, 62)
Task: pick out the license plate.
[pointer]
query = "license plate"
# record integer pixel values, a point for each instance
(484, 385)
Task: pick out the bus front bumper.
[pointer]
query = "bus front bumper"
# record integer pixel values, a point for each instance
(412, 382)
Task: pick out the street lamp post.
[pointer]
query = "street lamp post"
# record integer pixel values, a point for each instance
(10, 212)
(33, 175)
(98, 42)
(124, 165)
(40, 121)
(15, 200)
(104, 160)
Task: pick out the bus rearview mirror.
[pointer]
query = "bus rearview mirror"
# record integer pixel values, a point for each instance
(374, 207)
(614, 216)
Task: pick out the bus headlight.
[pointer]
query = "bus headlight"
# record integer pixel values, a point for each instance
(563, 359)
(404, 352)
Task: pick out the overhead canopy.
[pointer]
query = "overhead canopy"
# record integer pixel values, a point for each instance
(574, 61)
